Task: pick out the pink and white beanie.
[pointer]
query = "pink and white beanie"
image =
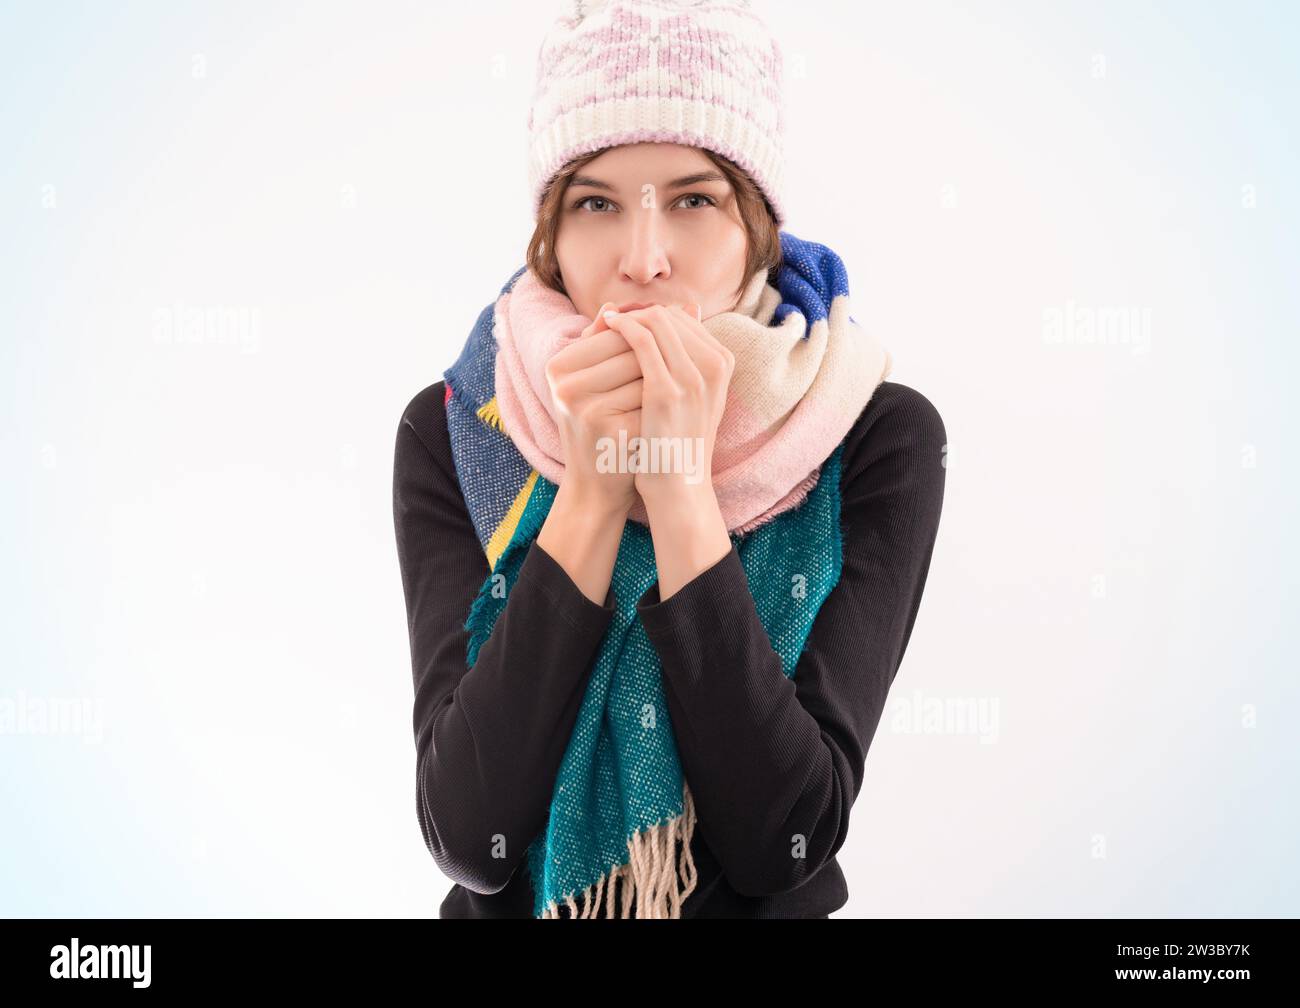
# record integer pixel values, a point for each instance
(706, 73)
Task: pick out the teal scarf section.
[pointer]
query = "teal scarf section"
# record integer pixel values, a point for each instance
(621, 775)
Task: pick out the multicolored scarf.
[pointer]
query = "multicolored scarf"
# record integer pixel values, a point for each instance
(617, 839)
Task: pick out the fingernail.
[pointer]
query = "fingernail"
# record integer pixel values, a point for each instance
(609, 314)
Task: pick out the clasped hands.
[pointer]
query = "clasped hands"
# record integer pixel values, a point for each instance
(641, 371)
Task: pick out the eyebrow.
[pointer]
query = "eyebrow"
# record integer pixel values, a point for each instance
(679, 183)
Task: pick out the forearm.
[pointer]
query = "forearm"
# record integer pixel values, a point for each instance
(688, 533)
(488, 752)
(758, 765)
(581, 533)
(489, 738)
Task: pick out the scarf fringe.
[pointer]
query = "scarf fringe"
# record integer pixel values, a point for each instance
(659, 875)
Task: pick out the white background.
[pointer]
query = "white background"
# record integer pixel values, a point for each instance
(201, 550)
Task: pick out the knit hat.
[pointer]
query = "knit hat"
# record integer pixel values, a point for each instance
(705, 73)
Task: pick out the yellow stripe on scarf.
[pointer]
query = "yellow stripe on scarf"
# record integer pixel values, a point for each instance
(491, 415)
(501, 537)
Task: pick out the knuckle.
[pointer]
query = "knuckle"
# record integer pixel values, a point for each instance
(562, 389)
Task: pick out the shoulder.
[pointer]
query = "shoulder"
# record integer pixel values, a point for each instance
(899, 413)
(899, 425)
(427, 406)
(425, 416)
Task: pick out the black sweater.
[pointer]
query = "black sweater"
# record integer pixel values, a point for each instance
(766, 757)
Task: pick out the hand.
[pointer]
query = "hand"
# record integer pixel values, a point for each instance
(686, 373)
(595, 385)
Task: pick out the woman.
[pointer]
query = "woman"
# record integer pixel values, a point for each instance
(663, 527)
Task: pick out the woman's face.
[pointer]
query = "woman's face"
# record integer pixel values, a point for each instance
(651, 223)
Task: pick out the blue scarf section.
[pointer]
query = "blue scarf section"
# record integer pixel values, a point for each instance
(621, 779)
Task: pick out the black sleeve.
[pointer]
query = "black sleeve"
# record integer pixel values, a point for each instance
(771, 759)
(489, 739)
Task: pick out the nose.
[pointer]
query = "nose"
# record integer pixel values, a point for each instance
(645, 257)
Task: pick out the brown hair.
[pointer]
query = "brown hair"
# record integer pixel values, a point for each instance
(763, 247)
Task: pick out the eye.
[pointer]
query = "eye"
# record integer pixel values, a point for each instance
(586, 199)
(703, 196)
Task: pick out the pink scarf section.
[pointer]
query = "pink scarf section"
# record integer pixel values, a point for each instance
(794, 395)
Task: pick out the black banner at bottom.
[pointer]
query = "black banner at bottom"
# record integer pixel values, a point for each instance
(226, 956)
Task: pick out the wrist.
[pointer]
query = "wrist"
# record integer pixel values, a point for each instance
(593, 503)
(685, 512)
(689, 536)
(673, 493)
